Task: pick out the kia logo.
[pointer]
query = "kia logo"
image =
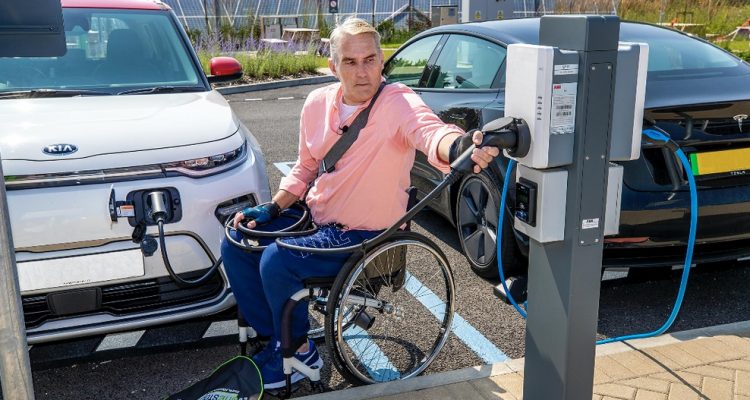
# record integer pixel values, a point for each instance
(60, 149)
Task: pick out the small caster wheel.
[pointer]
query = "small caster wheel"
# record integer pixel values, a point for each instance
(317, 387)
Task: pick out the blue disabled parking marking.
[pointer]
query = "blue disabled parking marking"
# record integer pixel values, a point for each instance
(462, 329)
(378, 365)
(469, 335)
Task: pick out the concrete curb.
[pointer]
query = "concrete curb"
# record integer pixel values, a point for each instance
(513, 366)
(413, 384)
(276, 84)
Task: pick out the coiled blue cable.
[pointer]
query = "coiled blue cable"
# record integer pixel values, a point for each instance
(656, 135)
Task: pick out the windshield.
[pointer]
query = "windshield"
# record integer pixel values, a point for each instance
(108, 50)
(675, 55)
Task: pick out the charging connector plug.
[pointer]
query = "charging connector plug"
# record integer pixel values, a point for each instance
(158, 206)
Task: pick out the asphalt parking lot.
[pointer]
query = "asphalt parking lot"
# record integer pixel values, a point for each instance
(485, 331)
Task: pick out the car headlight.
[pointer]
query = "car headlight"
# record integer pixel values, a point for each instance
(208, 165)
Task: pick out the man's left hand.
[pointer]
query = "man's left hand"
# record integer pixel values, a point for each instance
(482, 157)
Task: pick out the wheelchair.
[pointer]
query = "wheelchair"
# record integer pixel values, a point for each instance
(385, 316)
(388, 311)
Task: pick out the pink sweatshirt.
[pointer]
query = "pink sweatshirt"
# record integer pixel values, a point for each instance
(367, 190)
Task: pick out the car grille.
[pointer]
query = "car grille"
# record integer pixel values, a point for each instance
(725, 126)
(132, 297)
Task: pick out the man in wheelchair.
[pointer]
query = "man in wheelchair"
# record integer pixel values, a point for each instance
(352, 200)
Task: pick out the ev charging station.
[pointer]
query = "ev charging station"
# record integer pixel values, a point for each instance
(581, 93)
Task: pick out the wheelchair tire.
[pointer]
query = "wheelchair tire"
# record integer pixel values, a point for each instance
(383, 321)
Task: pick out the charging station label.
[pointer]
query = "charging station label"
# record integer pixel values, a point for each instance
(126, 210)
(566, 69)
(590, 223)
(563, 108)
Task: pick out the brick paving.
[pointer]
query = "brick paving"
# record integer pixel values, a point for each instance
(715, 368)
(710, 364)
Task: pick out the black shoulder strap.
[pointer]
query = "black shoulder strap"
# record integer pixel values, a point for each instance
(348, 138)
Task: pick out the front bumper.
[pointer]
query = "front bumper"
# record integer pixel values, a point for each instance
(659, 222)
(68, 222)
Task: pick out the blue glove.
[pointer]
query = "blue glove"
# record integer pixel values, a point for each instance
(263, 213)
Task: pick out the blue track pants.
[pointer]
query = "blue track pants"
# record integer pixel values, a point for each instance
(262, 282)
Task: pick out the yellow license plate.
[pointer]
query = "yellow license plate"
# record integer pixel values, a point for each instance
(720, 162)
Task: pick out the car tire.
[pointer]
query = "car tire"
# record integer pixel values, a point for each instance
(476, 215)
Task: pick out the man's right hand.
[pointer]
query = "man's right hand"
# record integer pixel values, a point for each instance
(257, 215)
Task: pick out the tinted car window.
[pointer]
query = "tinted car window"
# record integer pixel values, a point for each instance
(408, 64)
(108, 49)
(672, 53)
(466, 62)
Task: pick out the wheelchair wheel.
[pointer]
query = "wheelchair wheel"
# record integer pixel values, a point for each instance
(390, 313)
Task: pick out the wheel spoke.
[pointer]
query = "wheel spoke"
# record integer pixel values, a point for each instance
(483, 196)
(489, 243)
(473, 242)
(492, 234)
(471, 211)
(477, 196)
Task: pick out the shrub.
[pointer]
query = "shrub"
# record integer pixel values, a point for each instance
(269, 63)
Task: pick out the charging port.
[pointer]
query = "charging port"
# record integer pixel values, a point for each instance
(149, 203)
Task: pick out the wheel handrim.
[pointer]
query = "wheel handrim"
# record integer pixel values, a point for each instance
(383, 370)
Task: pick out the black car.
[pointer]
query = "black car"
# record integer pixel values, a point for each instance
(696, 92)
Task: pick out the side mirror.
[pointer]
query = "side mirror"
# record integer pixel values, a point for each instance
(224, 69)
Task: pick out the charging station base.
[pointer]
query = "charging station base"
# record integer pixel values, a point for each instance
(516, 286)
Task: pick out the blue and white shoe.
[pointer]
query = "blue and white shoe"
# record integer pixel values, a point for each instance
(264, 355)
(273, 370)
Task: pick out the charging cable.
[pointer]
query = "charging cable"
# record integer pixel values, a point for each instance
(159, 214)
(657, 135)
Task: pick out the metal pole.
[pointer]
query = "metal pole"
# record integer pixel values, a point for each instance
(217, 15)
(205, 14)
(410, 15)
(564, 277)
(15, 369)
(373, 12)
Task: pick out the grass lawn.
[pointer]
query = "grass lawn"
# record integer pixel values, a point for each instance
(739, 45)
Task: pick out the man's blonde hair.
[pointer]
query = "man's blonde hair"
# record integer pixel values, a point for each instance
(352, 26)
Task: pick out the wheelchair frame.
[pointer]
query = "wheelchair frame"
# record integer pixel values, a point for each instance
(316, 288)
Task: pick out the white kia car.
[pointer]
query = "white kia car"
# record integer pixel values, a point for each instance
(91, 142)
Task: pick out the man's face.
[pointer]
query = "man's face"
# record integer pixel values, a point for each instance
(359, 67)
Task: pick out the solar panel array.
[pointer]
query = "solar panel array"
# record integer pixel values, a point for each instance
(194, 13)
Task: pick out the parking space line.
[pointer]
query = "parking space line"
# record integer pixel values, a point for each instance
(222, 328)
(286, 98)
(471, 337)
(120, 340)
(284, 167)
(360, 342)
(253, 99)
(611, 275)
